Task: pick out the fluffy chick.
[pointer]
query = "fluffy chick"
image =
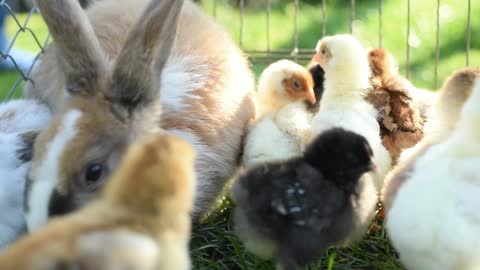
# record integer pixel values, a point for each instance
(294, 210)
(445, 113)
(343, 103)
(284, 123)
(141, 221)
(281, 83)
(20, 122)
(440, 229)
(401, 123)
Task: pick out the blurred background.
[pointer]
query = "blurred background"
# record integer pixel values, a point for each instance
(272, 29)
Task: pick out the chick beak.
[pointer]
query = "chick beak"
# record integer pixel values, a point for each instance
(316, 58)
(310, 96)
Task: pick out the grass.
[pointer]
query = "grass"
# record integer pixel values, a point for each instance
(214, 245)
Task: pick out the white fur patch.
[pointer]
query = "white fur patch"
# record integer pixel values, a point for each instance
(12, 182)
(206, 167)
(46, 176)
(180, 77)
(23, 115)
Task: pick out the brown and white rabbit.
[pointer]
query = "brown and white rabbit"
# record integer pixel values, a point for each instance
(123, 69)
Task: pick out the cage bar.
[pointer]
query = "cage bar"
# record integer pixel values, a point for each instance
(324, 17)
(215, 9)
(437, 44)
(295, 49)
(380, 18)
(268, 26)
(352, 15)
(240, 34)
(469, 33)
(407, 68)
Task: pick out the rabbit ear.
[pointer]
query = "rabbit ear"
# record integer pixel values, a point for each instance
(154, 33)
(78, 49)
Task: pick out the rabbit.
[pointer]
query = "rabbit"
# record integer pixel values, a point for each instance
(20, 122)
(124, 69)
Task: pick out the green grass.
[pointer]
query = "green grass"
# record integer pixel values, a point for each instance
(453, 21)
(214, 245)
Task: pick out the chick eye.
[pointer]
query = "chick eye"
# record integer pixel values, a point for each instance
(296, 84)
(93, 173)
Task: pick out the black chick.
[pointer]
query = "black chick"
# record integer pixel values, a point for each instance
(294, 210)
(318, 76)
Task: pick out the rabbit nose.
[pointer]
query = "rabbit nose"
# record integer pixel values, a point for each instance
(60, 204)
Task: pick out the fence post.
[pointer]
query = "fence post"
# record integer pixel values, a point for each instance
(380, 18)
(437, 44)
(352, 15)
(469, 32)
(408, 41)
(324, 17)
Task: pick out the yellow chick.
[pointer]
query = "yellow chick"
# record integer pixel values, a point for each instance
(284, 82)
(283, 127)
(141, 220)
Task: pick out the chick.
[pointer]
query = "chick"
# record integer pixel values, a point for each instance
(293, 210)
(281, 83)
(141, 221)
(20, 122)
(343, 103)
(401, 123)
(434, 222)
(318, 77)
(284, 124)
(444, 117)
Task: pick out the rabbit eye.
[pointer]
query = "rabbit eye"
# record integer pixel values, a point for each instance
(93, 173)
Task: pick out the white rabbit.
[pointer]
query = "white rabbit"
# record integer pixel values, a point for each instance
(124, 69)
(20, 121)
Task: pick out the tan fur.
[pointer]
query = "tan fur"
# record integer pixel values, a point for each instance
(456, 90)
(150, 194)
(401, 124)
(218, 113)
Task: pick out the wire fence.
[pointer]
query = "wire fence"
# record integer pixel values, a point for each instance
(266, 55)
(8, 45)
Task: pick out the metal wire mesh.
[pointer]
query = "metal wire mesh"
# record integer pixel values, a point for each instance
(258, 55)
(23, 27)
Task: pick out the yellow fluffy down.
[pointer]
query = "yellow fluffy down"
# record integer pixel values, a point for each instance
(141, 220)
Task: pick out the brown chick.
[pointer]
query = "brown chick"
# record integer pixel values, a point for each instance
(401, 123)
(445, 114)
(140, 222)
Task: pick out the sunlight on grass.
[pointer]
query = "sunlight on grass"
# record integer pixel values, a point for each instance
(453, 21)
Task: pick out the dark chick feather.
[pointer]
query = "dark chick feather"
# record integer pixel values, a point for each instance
(318, 77)
(305, 205)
